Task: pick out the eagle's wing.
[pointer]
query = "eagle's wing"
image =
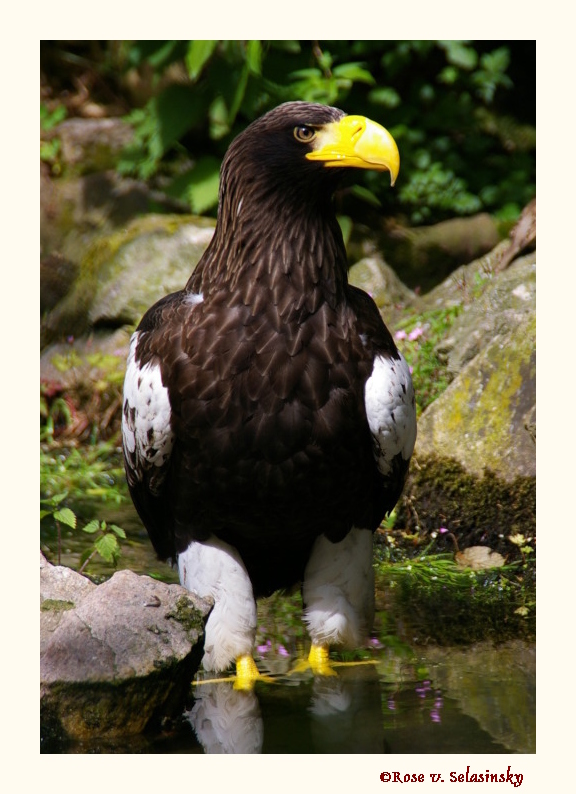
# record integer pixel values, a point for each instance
(147, 433)
(388, 400)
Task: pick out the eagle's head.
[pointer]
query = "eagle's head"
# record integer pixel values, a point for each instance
(308, 145)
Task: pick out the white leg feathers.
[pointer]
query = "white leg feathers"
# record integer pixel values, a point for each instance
(338, 590)
(213, 568)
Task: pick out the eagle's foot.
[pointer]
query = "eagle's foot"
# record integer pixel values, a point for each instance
(247, 674)
(318, 662)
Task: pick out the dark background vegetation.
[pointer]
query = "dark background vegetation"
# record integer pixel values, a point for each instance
(463, 112)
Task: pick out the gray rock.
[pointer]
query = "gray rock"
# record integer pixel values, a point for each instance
(121, 658)
(481, 420)
(474, 467)
(124, 273)
(375, 277)
(61, 589)
(506, 300)
(425, 254)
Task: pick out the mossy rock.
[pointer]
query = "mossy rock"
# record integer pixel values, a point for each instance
(124, 273)
(486, 417)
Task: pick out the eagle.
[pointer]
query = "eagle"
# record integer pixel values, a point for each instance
(268, 417)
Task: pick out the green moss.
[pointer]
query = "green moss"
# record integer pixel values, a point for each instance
(56, 605)
(483, 510)
(102, 273)
(489, 403)
(187, 615)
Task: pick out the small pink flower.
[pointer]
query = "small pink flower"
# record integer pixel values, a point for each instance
(282, 651)
(400, 335)
(413, 335)
(443, 530)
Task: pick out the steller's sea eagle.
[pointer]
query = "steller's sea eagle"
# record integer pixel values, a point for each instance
(268, 417)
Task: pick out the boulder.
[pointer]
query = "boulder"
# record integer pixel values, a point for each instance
(482, 418)
(123, 274)
(122, 655)
(61, 589)
(374, 276)
(474, 466)
(505, 300)
(424, 255)
(90, 145)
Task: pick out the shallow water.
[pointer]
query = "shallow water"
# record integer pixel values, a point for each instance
(479, 699)
(357, 711)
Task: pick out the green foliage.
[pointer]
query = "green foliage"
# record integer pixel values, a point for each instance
(50, 148)
(54, 412)
(95, 472)
(450, 604)
(106, 541)
(442, 100)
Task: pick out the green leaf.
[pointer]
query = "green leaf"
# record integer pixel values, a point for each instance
(49, 119)
(366, 195)
(56, 499)
(85, 555)
(458, 54)
(448, 75)
(92, 526)
(354, 72)
(346, 225)
(202, 187)
(387, 97)
(44, 513)
(496, 61)
(66, 516)
(107, 547)
(163, 55)
(254, 56)
(118, 530)
(198, 55)
(238, 95)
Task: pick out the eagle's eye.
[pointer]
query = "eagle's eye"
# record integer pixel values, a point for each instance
(304, 134)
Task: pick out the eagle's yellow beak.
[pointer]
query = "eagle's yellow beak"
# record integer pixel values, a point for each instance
(356, 142)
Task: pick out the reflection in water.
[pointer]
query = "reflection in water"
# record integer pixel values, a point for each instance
(462, 707)
(226, 720)
(342, 715)
(346, 712)
(357, 711)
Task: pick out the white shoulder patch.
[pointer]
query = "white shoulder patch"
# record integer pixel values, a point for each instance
(146, 430)
(391, 410)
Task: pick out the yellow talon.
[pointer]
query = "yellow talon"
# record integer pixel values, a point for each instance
(246, 673)
(319, 660)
